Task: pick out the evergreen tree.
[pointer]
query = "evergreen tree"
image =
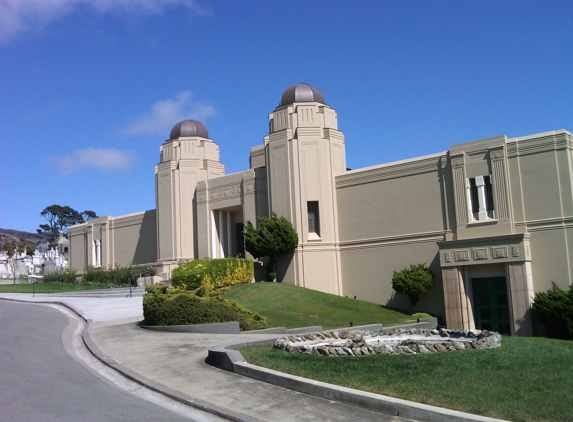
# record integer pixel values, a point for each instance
(274, 237)
(413, 282)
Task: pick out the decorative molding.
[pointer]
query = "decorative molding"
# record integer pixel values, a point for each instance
(546, 224)
(500, 252)
(485, 250)
(498, 170)
(480, 254)
(476, 156)
(413, 238)
(460, 195)
(389, 171)
(533, 145)
(225, 192)
(457, 160)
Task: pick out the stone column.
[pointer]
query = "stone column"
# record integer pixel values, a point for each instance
(229, 235)
(520, 297)
(221, 234)
(457, 304)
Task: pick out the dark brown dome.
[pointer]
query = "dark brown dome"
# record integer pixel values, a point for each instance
(301, 93)
(189, 128)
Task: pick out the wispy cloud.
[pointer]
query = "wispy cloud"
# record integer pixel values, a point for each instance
(17, 16)
(105, 159)
(165, 113)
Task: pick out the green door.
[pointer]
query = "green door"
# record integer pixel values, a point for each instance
(491, 308)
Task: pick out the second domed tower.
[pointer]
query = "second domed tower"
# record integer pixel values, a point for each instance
(302, 153)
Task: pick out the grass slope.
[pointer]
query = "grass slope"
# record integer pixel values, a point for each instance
(527, 379)
(285, 305)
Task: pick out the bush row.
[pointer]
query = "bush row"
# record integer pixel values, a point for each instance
(118, 276)
(212, 273)
(67, 275)
(163, 306)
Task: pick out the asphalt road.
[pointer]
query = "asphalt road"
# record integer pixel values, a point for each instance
(40, 381)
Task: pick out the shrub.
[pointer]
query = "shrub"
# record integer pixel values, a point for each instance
(94, 275)
(275, 236)
(67, 275)
(163, 306)
(555, 309)
(412, 282)
(118, 276)
(212, 273)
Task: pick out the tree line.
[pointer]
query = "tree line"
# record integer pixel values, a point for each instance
(59, 218)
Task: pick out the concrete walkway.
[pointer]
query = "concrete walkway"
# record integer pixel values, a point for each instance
(175, 362)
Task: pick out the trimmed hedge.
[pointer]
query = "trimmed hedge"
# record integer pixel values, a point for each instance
(118, 276)
(555, 309)
(67, 275)
(212, 273)
(163, 306)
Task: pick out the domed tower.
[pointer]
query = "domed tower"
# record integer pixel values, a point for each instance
(187, 157)
(304, 150)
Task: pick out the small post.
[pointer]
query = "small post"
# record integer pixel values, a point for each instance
(33, 288)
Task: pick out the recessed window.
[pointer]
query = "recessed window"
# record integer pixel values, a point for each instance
(313, 220)
(96, 253)
(480, 198)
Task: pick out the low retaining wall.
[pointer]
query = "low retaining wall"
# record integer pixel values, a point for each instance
(216, 328)
(399, 341)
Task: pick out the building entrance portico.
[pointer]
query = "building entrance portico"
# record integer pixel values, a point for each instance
(488, 283)
(225, 235)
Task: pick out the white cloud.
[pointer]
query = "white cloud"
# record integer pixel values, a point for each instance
(165, 113)
(17, 16)
(105, 159)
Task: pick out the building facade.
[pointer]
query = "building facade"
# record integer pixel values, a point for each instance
(492, 218)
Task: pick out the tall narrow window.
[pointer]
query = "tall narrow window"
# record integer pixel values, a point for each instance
(313, 220)
(474, 196)
(488, 196)
(480, 198)
(96, 253)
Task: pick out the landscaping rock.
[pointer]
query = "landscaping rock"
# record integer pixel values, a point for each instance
(399, 341)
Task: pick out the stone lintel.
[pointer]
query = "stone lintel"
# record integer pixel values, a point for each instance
(485, 250)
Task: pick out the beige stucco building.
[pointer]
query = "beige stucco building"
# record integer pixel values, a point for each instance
(492, 218)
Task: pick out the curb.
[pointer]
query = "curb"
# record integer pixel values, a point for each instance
(140, 379)
(228, 358)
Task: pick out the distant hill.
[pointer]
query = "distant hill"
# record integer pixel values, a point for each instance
(27, 237)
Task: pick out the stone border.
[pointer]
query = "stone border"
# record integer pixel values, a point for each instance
(400, 341)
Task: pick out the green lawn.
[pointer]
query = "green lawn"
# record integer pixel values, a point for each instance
(45, 287)
(527, 379)
(285, 305)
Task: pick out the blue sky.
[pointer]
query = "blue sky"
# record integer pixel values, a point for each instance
(90, 89)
